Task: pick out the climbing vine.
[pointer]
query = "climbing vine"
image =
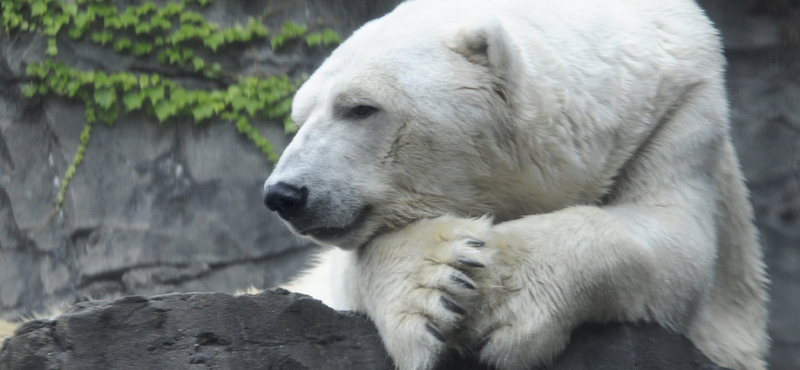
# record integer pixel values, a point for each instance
(177, 34)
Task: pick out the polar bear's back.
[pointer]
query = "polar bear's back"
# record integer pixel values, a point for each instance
(619, 56)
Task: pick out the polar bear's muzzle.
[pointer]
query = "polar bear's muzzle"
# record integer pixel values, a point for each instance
(287, 200)
(292, 205)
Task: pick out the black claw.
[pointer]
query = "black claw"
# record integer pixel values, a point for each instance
(469, 262)
(481, 343)
(472, 242)
(435, 331)
(452, 305)
(461, 281)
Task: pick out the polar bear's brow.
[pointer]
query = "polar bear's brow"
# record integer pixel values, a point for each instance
(351, 99)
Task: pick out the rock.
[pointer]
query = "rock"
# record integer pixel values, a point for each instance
(153, 208)
(762, 45)
(279, 330)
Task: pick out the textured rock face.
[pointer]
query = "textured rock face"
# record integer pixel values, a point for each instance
(762, 45)
(154, 208)
(173, 207)
(274, 329)
(279, 330)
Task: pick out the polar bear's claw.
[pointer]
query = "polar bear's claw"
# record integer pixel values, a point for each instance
(478, 347)
(472, 242)
(462, 281)
(452, 305)
(469, 262)
(435, 331)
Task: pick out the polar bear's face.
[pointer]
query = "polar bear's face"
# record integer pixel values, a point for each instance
(394, 131)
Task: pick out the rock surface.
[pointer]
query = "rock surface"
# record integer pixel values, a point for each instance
(174, 207)
(153, 208)
(762, 45)
(282, 331)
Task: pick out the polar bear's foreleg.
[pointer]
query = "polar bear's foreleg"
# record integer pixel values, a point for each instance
(513, 292)
(649, 253)
(585, 264)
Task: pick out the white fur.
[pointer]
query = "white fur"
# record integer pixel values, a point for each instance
(595, 134)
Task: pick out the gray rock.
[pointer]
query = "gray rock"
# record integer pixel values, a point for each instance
(763, 52)
(280, 330)
(153, 208)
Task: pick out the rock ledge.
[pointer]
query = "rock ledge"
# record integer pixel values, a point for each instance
(277, 329)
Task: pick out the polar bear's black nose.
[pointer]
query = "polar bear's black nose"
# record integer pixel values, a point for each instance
(289, 201)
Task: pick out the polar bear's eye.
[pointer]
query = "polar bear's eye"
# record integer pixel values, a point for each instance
(361, 111)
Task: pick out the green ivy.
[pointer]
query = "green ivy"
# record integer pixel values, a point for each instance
(173, 33)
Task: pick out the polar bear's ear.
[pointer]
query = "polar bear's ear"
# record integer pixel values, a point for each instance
(487, 44)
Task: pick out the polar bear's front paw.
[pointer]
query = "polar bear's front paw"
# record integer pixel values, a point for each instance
(448, 280)
(515, 346)
(444, 290)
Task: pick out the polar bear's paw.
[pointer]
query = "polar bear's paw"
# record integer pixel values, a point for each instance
(450, 282)
(445, 292)
(512, 346)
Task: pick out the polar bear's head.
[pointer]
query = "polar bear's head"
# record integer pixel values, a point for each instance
(409, 118)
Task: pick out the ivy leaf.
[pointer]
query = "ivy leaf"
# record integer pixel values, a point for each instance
(133, 100)
(69, 8)
(327, 37)
(90, 114)
(252, 106)
(243, 125)
(128, 19)
(292, 29)
(52, 48)
(202, 112)
(218, 106)
(159, 21)
(107, 115)
(155, 93)
(193, 17)
(122, 44)
(141, 48)
(142, 28)
(180, 97)
(127, 80)
(214, 40)
(145, 8)
(112, 23)
(198, 63)
(105, 97)
(277, 41)
(313, 39)
(102, 37)
(289, 127)
(257, 28)
(172, 9)
(164, 109)
(100, 9)
(72, 88)
(29, 90)
(38, 8)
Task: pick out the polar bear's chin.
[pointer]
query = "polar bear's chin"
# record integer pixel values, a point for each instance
(349, 236)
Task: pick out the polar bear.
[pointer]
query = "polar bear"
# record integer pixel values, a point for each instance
(496, 173)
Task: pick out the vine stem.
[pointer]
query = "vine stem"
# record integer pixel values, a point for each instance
(87, 129)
